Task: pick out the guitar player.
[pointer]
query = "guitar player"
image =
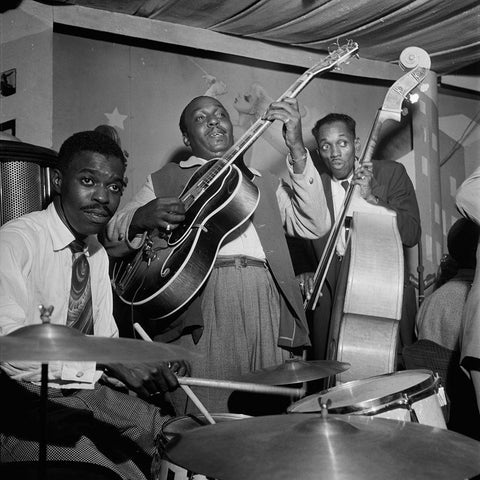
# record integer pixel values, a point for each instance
(249, 312)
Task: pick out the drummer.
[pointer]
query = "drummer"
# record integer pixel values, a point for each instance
(90, 417)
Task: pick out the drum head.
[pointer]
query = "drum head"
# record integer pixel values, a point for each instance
(190, 422)
(362, 396)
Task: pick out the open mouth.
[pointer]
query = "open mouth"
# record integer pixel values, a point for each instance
(216, 134)
(337, 164)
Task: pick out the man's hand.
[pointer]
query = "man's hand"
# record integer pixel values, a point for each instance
(287, 111)
(305, 280)
(164, 213)
(148, 379)
(363, 177)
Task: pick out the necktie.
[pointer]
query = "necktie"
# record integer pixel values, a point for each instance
(345, 186)
(80, 311)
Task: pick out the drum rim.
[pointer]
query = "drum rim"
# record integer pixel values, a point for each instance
(376, 405)
(216, 416)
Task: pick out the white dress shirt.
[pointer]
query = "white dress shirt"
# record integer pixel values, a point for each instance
(302, 205)
(36, 270)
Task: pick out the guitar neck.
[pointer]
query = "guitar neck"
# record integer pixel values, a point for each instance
(261, 124)
(244, 142)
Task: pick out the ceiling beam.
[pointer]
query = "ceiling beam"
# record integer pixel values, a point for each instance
(203, 39)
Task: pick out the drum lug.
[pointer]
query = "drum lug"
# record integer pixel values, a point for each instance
(408, 403)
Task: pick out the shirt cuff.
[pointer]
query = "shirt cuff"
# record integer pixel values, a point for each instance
(308, 162)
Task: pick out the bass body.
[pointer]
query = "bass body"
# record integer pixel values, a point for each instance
(169, 270)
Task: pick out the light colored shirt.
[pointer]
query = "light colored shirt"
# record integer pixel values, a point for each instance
(439, 317)
(36, 269)
(468, 203)
(302, 205)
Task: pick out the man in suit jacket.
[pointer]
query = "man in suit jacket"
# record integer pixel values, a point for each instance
(384, 183)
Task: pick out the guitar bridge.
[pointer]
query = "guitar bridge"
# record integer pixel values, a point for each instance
(199, 225)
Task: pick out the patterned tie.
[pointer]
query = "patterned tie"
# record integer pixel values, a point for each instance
(80, 311)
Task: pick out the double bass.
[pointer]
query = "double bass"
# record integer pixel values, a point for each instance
(368, 304)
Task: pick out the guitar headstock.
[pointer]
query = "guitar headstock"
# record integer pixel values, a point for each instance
(336, 57)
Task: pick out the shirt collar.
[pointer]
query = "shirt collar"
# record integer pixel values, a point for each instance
(60, 234)
(349, 178)
(194, 161)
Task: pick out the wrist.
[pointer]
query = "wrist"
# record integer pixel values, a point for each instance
(294, 158)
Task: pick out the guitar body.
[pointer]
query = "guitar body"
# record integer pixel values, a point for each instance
(167, 272)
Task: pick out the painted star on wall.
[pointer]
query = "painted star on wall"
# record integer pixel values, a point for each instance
(116, 119)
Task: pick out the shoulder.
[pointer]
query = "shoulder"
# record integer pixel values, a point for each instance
(22, 237)
(30, 225)
(388, 166)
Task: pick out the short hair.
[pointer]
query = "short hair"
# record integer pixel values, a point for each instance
(88, 141)
(182, 123)
(462, 242)
(335, 117)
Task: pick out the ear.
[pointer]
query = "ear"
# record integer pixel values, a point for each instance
(186, 141)
(56, 179)
(357, 146)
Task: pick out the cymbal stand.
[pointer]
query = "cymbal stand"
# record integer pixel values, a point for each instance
(45, 313)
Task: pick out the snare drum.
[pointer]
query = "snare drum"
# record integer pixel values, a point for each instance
(409, 395)
(162, 468)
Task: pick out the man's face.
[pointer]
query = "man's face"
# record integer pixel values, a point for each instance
(209, 129)
(337, 148)
(90, 190)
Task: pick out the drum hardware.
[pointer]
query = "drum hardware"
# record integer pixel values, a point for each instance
(409, 395)
(162, 468)
(295, 371)
(46, 342)
(336, 447)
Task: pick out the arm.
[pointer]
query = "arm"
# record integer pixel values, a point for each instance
(393, 189)
(127, 230)
(302, 204)
(468, 204)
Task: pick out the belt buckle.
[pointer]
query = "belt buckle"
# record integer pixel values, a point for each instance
(241, 262)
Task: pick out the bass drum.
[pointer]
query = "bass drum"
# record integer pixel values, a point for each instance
(409, 395)
(162, 468)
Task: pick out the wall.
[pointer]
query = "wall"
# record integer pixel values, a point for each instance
(26, 44)
(142, 91)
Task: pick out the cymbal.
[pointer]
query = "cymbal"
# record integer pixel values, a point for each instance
(48, 342)
(294, 371)
(337, 447)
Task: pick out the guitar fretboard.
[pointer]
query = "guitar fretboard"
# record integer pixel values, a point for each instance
(261, 124)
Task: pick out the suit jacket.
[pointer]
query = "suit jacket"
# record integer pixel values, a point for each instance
(394, 189)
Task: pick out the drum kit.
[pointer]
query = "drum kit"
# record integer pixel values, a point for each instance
(388, 426)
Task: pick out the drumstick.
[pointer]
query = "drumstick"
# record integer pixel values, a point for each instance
(244, 386)
(185, 388)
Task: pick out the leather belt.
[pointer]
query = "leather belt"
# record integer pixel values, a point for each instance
(239, 262)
